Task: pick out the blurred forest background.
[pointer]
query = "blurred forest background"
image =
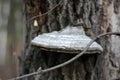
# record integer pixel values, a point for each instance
(11, 37)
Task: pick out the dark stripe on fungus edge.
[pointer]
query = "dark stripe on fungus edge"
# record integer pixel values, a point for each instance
(65, 50)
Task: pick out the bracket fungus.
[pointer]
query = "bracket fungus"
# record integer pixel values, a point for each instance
(69, 40)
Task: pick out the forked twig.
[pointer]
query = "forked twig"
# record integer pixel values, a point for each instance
(69, 61)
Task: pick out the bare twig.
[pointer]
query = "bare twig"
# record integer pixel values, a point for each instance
(77, 56)
(69, 61)
(60, 3)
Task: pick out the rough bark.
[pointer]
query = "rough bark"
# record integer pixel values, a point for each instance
(95, 17)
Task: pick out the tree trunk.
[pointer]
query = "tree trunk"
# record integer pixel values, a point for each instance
(97, 16)
(11, 40)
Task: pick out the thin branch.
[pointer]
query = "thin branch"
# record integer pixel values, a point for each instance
(77, 56)
(69, 61)
(60, 3)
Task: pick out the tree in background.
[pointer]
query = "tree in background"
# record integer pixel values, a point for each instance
(10, 37)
